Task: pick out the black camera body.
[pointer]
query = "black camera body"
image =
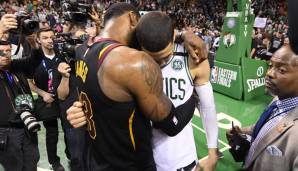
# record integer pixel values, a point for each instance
(26, 25)
(76, 12)
(65, 45)
(24, 108)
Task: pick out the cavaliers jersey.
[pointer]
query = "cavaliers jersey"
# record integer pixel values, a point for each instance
(120, 135)
(172, 153)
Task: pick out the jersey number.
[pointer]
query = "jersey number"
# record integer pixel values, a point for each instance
(89, 114)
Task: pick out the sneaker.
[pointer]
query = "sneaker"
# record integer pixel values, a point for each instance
(58, 167)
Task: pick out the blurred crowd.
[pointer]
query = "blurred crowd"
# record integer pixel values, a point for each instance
(204, 17)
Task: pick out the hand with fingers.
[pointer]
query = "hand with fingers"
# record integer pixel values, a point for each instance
(209, 164)
(76, 116)
(64, 69)
(231, 132)
(96, 18)
(48, 97)
(195, 46)
(94, 15)
(7, 22)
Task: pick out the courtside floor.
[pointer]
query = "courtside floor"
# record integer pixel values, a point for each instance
(228, 110)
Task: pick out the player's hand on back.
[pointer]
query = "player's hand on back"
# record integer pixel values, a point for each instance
(195, 46)
(76, 116)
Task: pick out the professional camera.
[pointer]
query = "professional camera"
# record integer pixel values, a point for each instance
(76, 12)
(26, 25)
(65, 45)
(24, 106)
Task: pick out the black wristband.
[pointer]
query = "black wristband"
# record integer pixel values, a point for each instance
(177, 119)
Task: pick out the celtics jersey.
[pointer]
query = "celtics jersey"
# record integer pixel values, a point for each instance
(172, 153)
(177, 80)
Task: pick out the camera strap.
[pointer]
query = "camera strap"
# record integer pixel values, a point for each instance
(50, 76)
(21, 40)
(8, 93)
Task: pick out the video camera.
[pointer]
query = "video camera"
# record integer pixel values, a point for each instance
(26, 24)
(65, 45)
(75, 12)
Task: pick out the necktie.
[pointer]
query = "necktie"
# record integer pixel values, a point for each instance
(262, 120)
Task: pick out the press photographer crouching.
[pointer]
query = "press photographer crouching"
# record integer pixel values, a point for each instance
(18, 126)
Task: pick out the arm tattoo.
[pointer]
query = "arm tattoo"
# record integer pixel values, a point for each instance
(151, 75)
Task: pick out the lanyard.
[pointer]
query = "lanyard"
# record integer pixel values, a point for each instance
(49, 71)
(10, 78)
(14, 84)
(44, 65)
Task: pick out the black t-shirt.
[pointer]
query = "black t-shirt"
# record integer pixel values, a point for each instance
(44, 79)
(5, 105)
(44, 74)
(276, 43)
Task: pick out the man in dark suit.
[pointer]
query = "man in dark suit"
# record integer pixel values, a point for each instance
(273, 145)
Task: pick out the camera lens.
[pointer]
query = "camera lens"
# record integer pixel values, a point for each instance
(30, 121)
(30, 26)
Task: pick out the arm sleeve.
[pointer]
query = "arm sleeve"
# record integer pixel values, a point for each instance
(178, 118)
(293, 24)
(27, 65)
(208, 113)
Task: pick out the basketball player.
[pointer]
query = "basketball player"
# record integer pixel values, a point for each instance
(121, 90)
(181, 75)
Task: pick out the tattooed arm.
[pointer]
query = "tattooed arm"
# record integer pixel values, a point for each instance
(148, 90)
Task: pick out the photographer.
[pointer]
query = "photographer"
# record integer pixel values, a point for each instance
(47, 104)
(18, 127)
(77, 25)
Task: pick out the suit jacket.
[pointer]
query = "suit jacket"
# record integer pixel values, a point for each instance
(284, 138)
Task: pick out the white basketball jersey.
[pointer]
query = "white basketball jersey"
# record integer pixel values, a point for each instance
(172, 153)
